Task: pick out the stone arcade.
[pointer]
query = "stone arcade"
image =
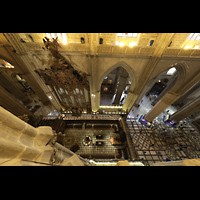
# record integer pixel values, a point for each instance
(76, 98)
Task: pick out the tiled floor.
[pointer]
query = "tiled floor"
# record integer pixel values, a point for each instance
(156, 144)
(145, 107)
(106, 99)
(77, 136)
(161, 142)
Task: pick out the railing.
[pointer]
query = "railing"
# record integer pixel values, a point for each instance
(117, 106)
(91, 117)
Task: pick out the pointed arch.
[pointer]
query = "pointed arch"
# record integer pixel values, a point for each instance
(181, 75)
(126, 67)
(181, 71)
(7, 60)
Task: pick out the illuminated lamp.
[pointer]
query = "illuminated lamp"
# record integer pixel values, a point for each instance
(187, 47)
(64, 41)
(132, 44)
(121, 44)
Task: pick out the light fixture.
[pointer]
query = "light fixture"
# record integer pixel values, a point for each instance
(121, 44)
(110, 106)
(132, 44)
(117, 43)
(64, 41)
(187, 47)
(196, 47)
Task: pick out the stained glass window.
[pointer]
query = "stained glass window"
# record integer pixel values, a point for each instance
(127, 35)
(198, 37)
(194, 36)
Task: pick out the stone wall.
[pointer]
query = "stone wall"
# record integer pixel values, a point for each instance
(22, 144)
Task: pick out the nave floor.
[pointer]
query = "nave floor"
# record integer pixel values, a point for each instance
(161, 143)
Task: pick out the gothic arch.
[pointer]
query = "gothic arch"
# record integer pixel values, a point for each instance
(7, 60)
(181, 75)
(126, 67)
(181, 70)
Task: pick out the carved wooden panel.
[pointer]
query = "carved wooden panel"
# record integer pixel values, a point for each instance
(70, 86)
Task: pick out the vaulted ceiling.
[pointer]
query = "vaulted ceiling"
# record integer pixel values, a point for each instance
(30, 48)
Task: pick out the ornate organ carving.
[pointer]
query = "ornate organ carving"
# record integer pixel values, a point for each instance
(69, 85)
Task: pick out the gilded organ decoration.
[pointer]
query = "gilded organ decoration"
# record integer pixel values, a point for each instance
(69, 85)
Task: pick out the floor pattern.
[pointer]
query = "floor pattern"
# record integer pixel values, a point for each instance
(161, 142)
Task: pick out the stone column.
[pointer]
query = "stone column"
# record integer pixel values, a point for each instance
(83, 126)
(121, 85)
(168, 88)
(163, 42)
(36, 87)
(168, 99)
(94, 94)
(131, 97)
(144, 91)
(7, 50)
(195, 88)
(12, 104)
(116, 80)
(7, 84)
(187, 110)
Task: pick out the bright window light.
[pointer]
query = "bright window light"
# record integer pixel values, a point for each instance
(119, 34)
(190, 36)
(198, 37)
(187, 47)
(121, 44)
(64, 36)
(194, 36)
(130, 34)
(53, 35)
(48, 35)
(125, 35)
(64, 41)
(134, 34)
(171, 71)
(59, 35)
(132, 44)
